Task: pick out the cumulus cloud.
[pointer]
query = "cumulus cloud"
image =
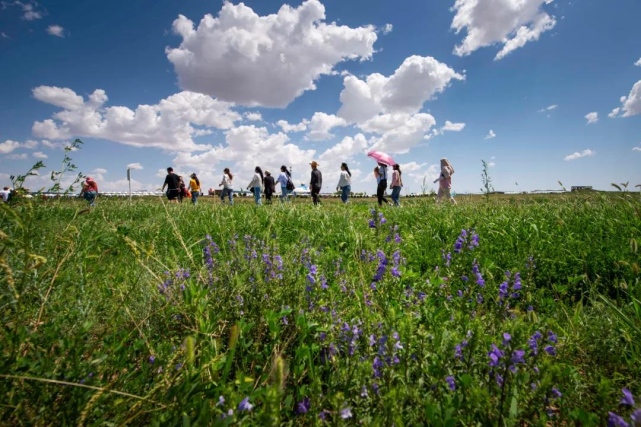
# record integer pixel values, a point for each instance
(638, 63)
(637, 148)
(287, 127)
(490, 135)
(8, 146)
(135, 166)
(321, 124)
(30, 144)
(168, 125)
(254, 116)
(100, 171)
(56, 30)
(254, 60)
(578, 155)
(30, 11)
(399, 132)
(345, 149)
(416, 81)
(389, 27)
(17, 156)
(453, 127)
(412, 166)
(592, 117)
(630, 105)
(491, 164)
(512, 23)
(40, 155)
(247, 147)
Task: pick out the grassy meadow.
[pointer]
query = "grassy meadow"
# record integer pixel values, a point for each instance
(513, 311)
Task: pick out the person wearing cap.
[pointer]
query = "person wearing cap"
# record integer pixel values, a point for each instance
(194, 186)
(270, 186)
(316, 182)
(89, 191)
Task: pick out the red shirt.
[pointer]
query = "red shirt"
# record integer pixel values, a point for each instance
(91, 186)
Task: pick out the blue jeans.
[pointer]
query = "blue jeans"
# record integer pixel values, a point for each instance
(284, 194)
(345, 193)
(227, 192)
(396, 193)
(90, 196)
(257, 196)
(194, 197)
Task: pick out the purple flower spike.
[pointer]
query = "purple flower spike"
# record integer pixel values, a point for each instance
(346, 413)
(550, 350)
(451, 383)
(303, 406)
(627, 398)
(244, 405)
(151, 359)
(615, 420)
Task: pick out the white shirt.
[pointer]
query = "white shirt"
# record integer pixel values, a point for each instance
(5, 195)
(256, 181)
(226, 182)
(344, 180)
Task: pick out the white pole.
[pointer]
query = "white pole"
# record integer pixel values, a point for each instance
(129, 179)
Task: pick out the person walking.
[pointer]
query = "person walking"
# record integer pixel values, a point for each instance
(382, 184)
(344, 182)
(316, 182)
(172, 182)
(256, 184)
(194, 186)
(5, 194)
(90, 191)
(270, 187)
(445, 182)
(228, 189)
(396, 185)
(182, 193)
(286, 184)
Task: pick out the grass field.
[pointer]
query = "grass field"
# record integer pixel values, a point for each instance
(516, 311)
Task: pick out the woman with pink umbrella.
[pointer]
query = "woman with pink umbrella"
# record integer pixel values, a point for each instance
(383, 160)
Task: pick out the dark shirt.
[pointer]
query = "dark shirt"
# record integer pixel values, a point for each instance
(270, 184)
(317, 179)
(172, 181)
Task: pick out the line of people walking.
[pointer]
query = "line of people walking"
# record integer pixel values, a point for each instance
(264, 183)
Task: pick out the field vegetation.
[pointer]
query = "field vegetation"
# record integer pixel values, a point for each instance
(505, 311)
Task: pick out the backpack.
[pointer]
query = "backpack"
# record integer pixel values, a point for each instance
(290, 184)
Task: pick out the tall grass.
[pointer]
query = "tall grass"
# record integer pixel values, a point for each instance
(288, 314)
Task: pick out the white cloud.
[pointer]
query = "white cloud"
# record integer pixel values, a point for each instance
(416, 81)
(254, 116)
(490, 135)
(321, 124)
(400, 132)
(412, 166)
(30, 144)
(166, 125)
(491, 164)
(429, 176)
(512, 23)
(17, 156)
(638, 63)
(453, 127)
(592, 117)
(4, 35)
(56, 30)
(30, 11)
(247, 147)
(345, 149)
(631, 104)
(135, 166)
(577, 155)
(637, 148)
(389, 27)
(254, 60)
(8, 146)
(550, 108)
(40, 155)
(53, 145)
(286, 127)
(100, 171)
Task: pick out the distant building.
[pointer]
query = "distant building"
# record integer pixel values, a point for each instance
(581, 188)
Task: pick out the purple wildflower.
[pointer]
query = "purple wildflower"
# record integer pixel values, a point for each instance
(615, 420)
(303, 406)
(346, 413)
(550, 350)
(244, 405)
(627, 398)
(451, 383)
(151, 359)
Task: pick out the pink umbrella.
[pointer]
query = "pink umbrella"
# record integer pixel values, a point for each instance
(381, 158)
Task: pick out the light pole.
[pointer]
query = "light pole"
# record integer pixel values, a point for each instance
(129, 179)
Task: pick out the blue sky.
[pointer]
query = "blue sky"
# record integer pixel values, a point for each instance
(501, 72)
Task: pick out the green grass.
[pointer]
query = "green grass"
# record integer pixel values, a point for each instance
(82, 312)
